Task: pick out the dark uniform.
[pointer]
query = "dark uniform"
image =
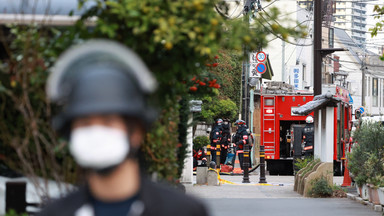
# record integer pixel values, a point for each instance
(241, 138)
(215, 139)
(308, 136)
(225, 141)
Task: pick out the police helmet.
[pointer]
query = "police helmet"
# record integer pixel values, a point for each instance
(309, 119)
(100, 77)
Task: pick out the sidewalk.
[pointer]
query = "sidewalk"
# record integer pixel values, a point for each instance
(278, 198)
(278, 187)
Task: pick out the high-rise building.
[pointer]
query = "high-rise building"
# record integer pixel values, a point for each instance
(351, 16)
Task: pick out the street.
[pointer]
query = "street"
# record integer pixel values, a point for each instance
(278, 198)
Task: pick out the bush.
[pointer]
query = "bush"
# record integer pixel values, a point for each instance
(367, 157)
(302, 163)
(321, 188)
(200, 141)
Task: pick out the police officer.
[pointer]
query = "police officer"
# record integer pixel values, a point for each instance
(216, 135)
(241, 138)
(225, 141)
(308, 136)
(103, 88)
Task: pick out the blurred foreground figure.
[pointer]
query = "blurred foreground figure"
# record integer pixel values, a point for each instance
(103, 88)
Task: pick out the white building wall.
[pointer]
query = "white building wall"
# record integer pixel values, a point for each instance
(293, 54)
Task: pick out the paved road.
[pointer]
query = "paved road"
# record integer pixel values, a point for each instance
(278, 199)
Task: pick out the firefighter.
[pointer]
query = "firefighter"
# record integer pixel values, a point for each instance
(225, 141)
(199, 155)
(103, 88)
(308, 136)
(241, 138)
(216, 135)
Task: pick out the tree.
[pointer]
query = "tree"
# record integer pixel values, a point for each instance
(379, 25)
(176, 39)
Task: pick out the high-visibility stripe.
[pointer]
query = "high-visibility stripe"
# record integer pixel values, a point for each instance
(308, 147)
(246, 155)
(240, 151)
(218, 153)
(208, 152)
(262, 155)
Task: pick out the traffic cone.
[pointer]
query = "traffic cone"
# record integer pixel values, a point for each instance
(236, 167)
(347, 179)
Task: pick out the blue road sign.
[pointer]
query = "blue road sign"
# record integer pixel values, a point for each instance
(350, 99)
(362, 110)
(261, 68)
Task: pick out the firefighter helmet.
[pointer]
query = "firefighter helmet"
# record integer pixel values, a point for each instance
(219, 121)
(240, 122)
(100, 77)
(309, 119)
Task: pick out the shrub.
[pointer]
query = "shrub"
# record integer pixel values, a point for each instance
(367, 157)
(200, 141)
(302, 163)
(321, 188)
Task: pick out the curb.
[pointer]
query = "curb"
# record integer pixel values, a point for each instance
(376, 208)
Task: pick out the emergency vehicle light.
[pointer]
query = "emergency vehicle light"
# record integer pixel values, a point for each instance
(269, 111)
(268, 157)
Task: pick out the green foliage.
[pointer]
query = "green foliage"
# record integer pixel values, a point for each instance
(214, 108)
(366, 162)
(228, 73)
(379, 15)
(200, 141)
(302, 163)
(14, 213)
(27, 141)
(174, 38)
(321, 188)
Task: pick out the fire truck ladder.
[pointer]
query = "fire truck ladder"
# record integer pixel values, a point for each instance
(269, 113)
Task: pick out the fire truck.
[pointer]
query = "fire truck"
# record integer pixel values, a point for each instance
(277, 100)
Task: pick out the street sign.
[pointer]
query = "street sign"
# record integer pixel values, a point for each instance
(252, 65)
(362, 110)
(350, 99)
(261, 56)
(261, 68)
(195, 105)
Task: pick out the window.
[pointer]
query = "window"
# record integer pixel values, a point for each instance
(330, 37)
(382, 92)
(375, 92)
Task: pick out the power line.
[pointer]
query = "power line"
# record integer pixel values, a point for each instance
(275, 33)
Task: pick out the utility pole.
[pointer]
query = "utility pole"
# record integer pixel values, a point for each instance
(363, 81)
(317, 57)
(283, 61)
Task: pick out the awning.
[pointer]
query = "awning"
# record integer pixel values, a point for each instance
(269, 72)
(318, 102)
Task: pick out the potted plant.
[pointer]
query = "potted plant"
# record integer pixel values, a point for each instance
(373, 188)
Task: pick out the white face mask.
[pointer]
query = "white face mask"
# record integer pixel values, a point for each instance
(99, 147)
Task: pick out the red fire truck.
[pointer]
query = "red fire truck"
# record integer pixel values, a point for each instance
(276, 121)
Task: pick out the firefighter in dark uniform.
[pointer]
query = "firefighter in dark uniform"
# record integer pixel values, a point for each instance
(225, 141)
(198, 154)
(241, 138)
(104, 88)
(216, 135)
(308, 136)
